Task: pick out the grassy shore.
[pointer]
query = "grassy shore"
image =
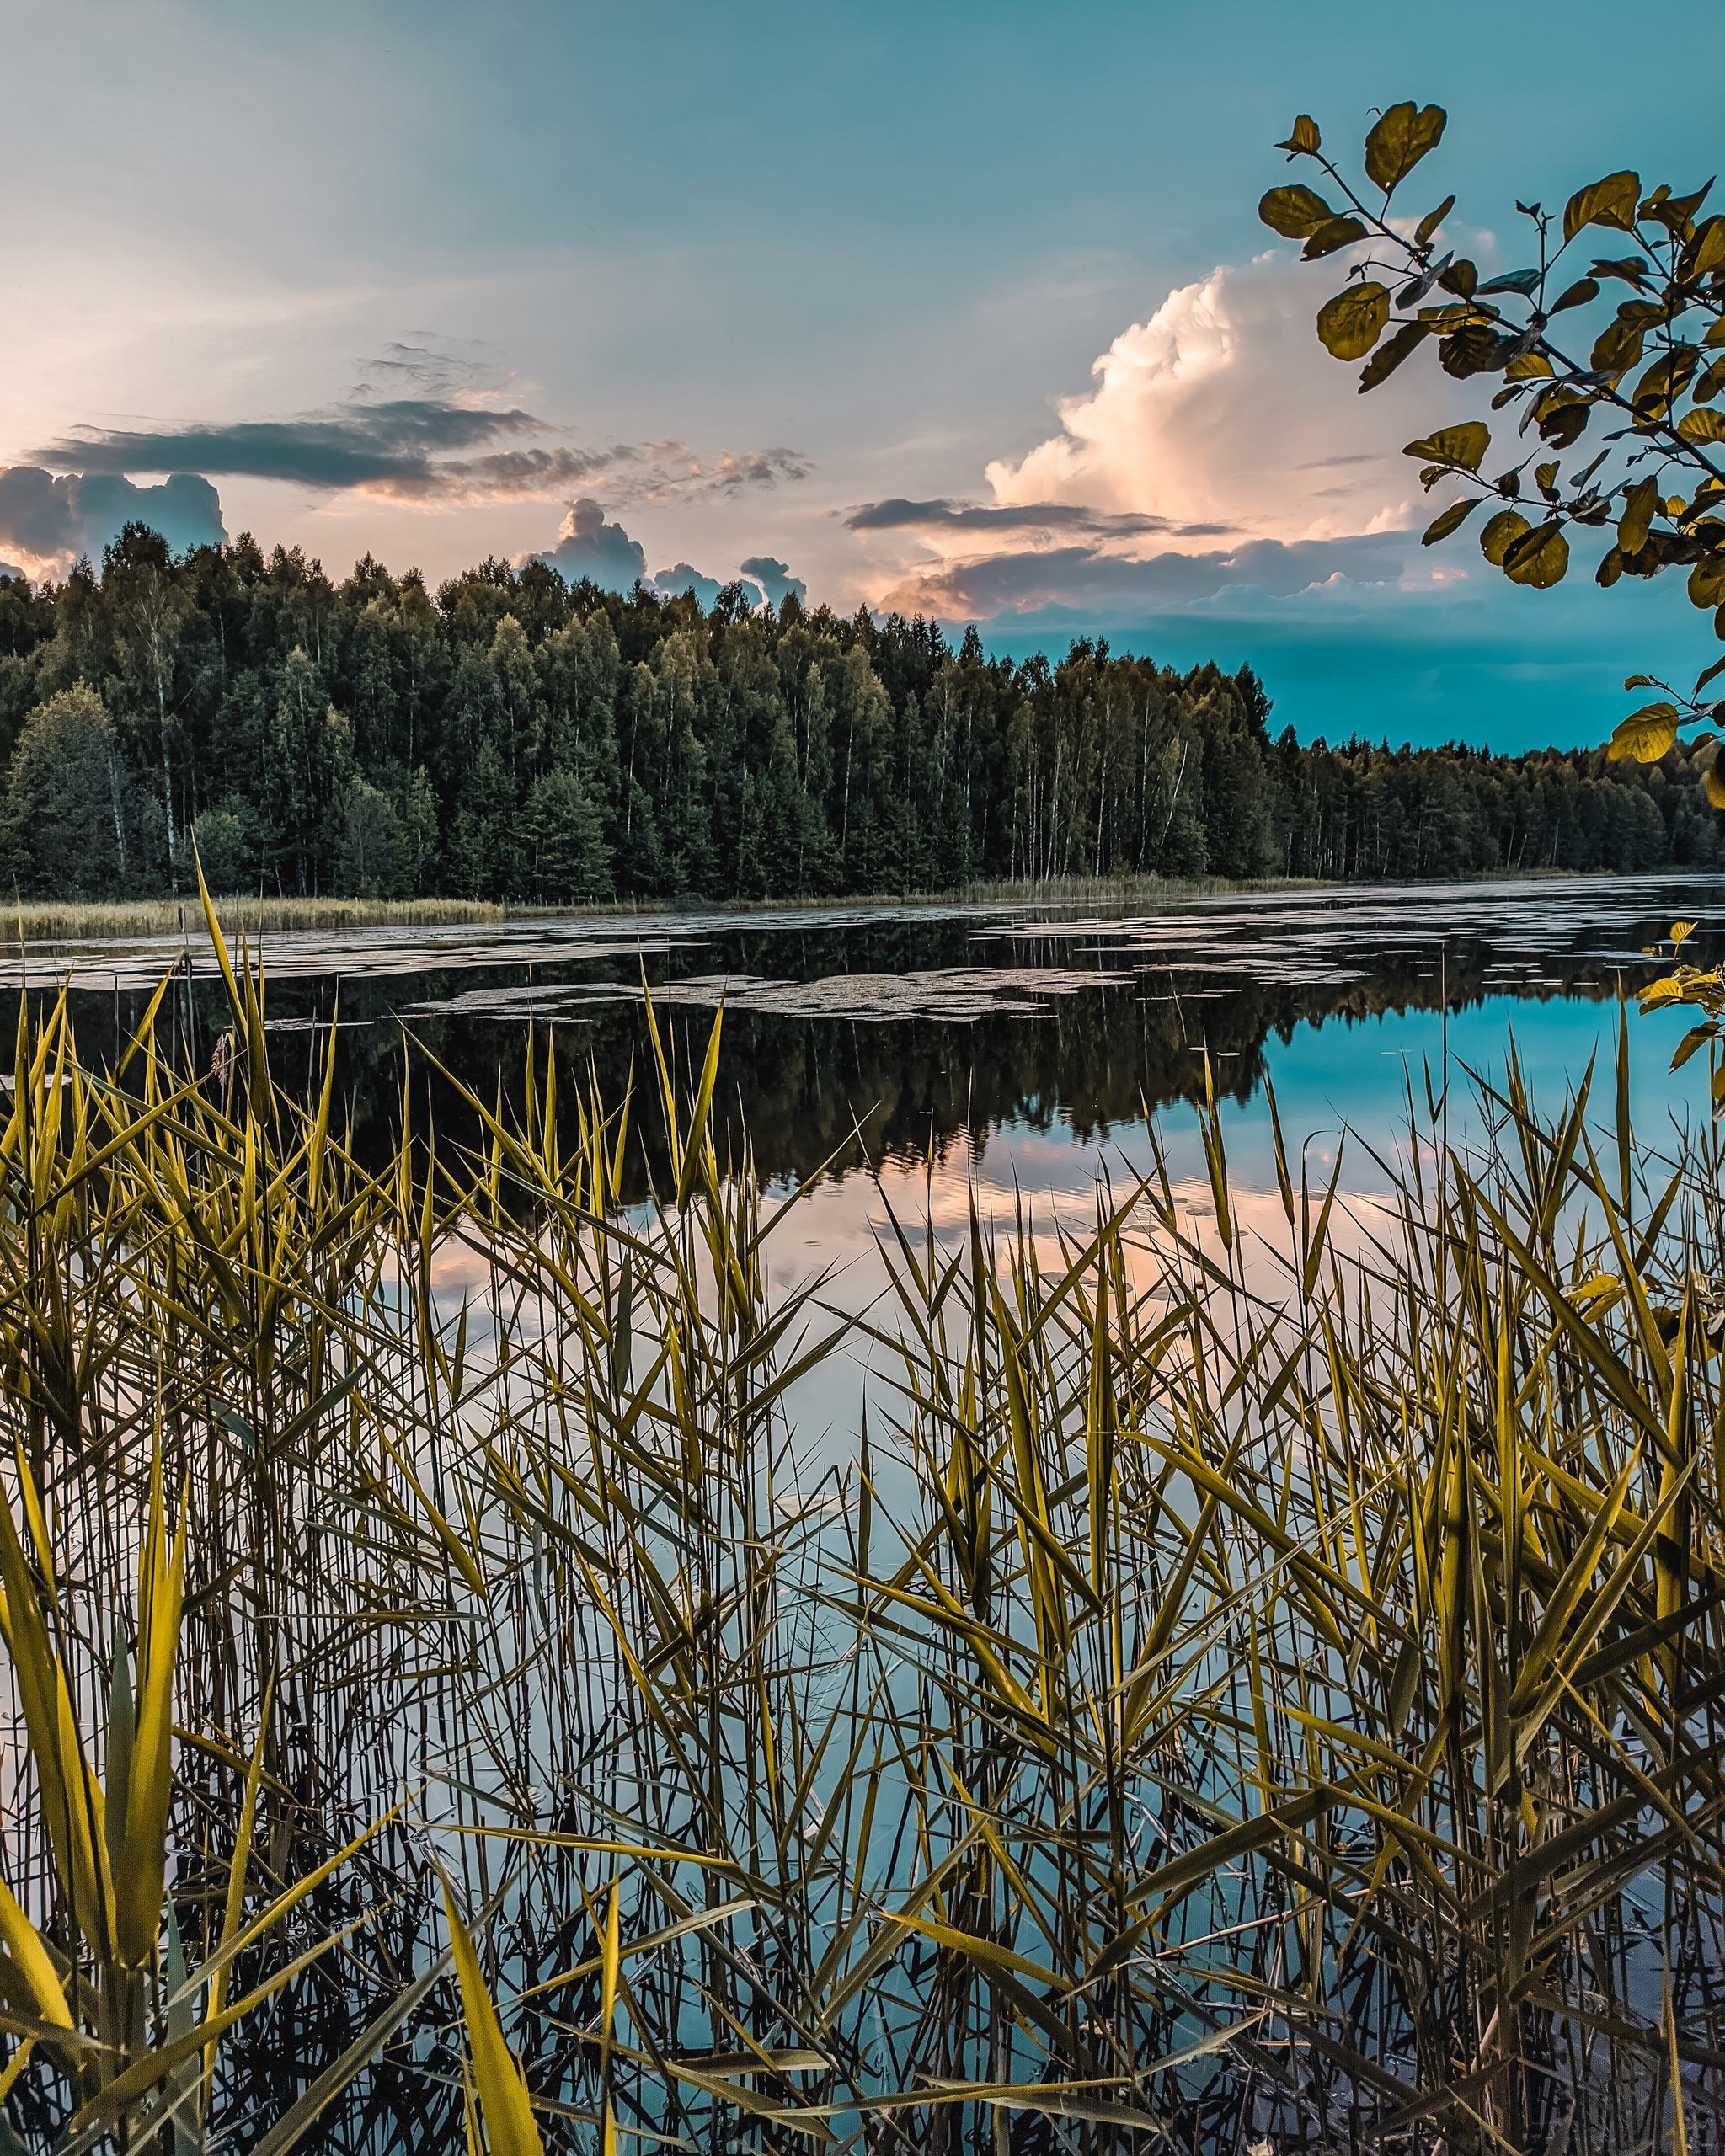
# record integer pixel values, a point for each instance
(50, 921)
(54, 922)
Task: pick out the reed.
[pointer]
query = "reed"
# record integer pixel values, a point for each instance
(47, 921)
(1249, 1685)
(37, 921)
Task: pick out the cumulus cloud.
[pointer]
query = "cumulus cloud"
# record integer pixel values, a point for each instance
(51, 521)
(1219, 448)
(1222, 408)
(684, 581)
(773, 579)
(604, 553)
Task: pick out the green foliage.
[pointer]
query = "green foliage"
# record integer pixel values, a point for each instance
(224, 849)
(514, 739)
(368, 854)
(1609, 364)
(564, 840)
(64, 826)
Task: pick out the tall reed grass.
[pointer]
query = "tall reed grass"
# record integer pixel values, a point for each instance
(1242, 1689)
(39, 921)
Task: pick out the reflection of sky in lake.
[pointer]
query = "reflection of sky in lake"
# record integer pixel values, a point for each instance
(1340, 1076)
(1018, 1041)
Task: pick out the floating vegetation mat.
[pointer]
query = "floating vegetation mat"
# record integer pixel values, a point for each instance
(1256, 1679)
(1292, 938)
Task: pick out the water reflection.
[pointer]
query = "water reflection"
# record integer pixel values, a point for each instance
(1010, 1041)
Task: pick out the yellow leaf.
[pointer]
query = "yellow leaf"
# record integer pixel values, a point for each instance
(1645, 735)
(1609, 201)
(511, 2128)
(1294, 212)
(1400, 140)
(1351, 323)
(1462, 445)
(140, 1877)
(26, 1953)
(1538, 558)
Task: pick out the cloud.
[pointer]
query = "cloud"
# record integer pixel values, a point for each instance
(676, 584)
(1222, 408)
(943, 515)
(1219, 450)
(1084, 585)
(425, 425)
(732, 471)
(774, 578)
(51, 521)
(604, 553)
(435, 366)
(405, 445)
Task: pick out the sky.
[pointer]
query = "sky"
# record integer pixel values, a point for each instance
(961, 307)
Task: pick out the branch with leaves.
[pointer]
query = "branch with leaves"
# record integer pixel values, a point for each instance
(1630, 388)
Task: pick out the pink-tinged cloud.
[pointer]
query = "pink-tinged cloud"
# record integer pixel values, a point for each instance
(1222, 408)
(1087, 582)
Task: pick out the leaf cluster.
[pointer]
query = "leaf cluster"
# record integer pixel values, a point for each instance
(1608, 351)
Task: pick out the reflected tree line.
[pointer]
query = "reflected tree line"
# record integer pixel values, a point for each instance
(510, 737)
(813, 1093)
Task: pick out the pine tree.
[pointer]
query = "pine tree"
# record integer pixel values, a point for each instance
(564, 853)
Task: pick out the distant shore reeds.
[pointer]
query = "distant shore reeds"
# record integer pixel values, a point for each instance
(53, 921)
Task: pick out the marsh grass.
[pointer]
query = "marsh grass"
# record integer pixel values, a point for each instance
(39, 921)
(56, 922)
(1244, 1687)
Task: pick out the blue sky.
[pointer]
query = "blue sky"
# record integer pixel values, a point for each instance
(957, 306)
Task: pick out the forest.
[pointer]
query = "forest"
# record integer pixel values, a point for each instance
(512, 737)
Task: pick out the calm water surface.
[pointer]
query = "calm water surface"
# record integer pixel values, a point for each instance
(928, 1056)
(923, 1051)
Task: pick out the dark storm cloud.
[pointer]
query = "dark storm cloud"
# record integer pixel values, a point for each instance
(399, 446)
(942, 514)
(774, 577)
(56, 518)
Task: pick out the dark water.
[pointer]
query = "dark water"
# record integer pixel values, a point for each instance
(1009, 1040)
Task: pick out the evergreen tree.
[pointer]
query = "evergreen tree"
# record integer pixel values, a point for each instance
(64, 825)
(520, 737)
(563, 849)
(368, 853)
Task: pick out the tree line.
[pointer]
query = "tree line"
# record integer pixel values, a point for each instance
(511, 736)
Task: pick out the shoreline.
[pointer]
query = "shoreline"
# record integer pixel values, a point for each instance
(47, 921)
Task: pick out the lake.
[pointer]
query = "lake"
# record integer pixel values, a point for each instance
(1016, 1045)
(910, 1058)
(589, 1568)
